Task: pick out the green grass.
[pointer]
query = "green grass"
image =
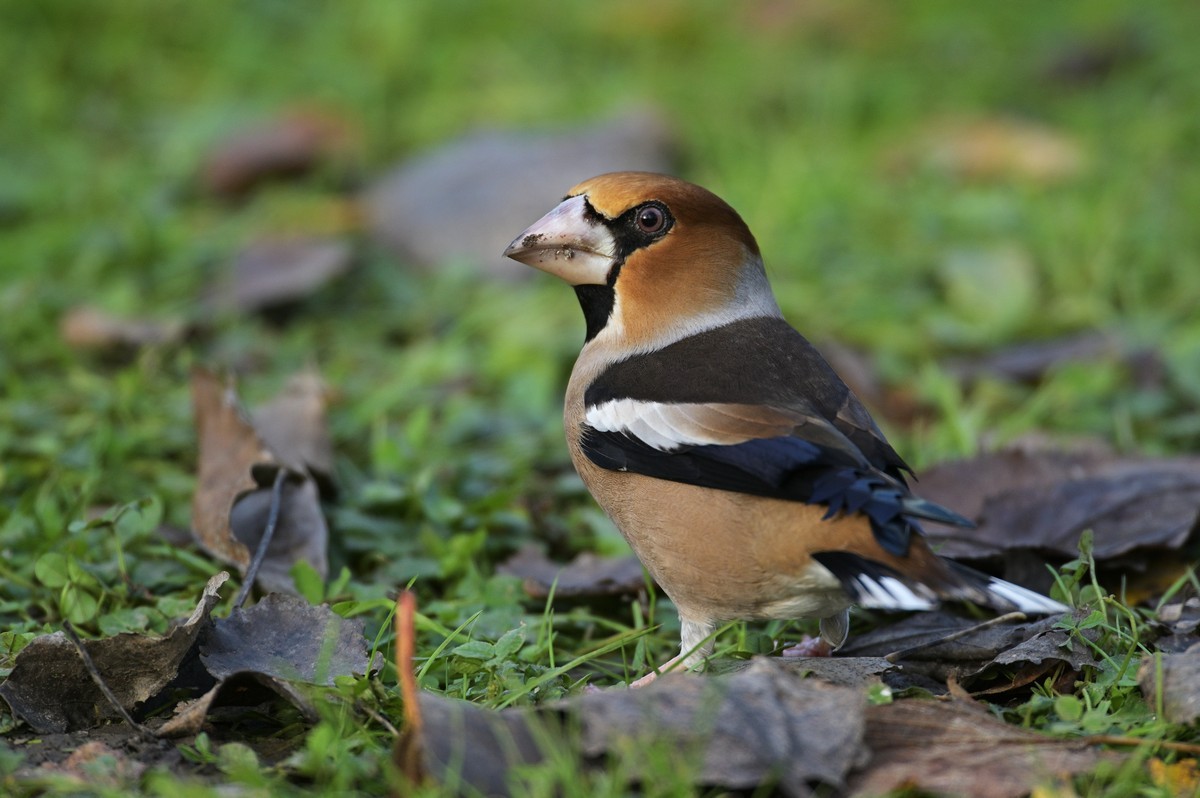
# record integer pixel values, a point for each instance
(447, 430)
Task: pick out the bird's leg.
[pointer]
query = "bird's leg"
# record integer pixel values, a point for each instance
(695, 646)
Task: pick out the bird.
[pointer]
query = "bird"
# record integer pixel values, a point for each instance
(744, 473)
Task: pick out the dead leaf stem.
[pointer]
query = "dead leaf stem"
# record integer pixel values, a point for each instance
(260, 553)
(1117, 739)
(906, 652)
(94, 672)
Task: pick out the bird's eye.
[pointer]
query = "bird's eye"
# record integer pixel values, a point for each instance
(651, 219)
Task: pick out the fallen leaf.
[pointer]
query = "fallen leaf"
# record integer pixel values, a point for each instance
(228, 449)
(950, 748)
(274, 272)
(1085, 61)
(1178, 623)
(473, 750)
(738, 731)
(293, 427)
(1179, 681)
(285, 637)
(942, 646)
(291, 144)
(457, 742)
(992, 148)
(760, 725)
(239, 691)
(1030, 362)
(262, 652)
(588, 575)
(236, 471)
(50, 689)
(844, 671)
(301, 533)
(88, 327)
(500, 180)
(1040, 502)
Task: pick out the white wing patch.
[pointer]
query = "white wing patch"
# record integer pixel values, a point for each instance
(1025, 600)
(666, 427)
(889, 593)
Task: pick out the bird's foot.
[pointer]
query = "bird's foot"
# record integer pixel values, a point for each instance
(808, 647)
(645, 680)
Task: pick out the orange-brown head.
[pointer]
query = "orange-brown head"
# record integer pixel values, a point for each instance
(652, 257)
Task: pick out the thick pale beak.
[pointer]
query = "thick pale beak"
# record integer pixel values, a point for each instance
(566, 243)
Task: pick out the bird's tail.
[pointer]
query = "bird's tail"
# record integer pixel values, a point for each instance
(874, 585)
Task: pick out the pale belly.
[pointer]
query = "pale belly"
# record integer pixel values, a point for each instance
(720, 555)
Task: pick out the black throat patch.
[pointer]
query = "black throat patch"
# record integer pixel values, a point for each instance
(597, 302)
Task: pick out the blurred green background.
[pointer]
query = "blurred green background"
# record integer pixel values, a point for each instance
(797, 113)
(929, 181)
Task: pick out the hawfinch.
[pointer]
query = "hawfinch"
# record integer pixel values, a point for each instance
(746, 476)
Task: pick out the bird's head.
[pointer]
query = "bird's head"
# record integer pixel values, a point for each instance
(652, 258)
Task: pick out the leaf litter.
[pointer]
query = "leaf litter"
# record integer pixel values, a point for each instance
(290, 144)
(278, 645)
(61, 685)
(764, 724)
(1172, 681)
(50, 689)
(959, 748)
(1031, 505)
(760, 723)
(237, 466)
(274, 273)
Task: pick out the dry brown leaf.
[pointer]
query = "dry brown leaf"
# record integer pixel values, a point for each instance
(262, 652)
(287, 638)
(1179, 624)
(50, 689)
(499, 180)
(88, 327)
(455, 742)
(274, 272)
(762, 724)
(236, 470)
(942, 646)
(757, 726)
(228, 449)
(588, 575)
(844, 671)
(1039, 502)
(301, 534)
(992, 148)
(1180, 683)
(949, 748)
(1083, 61)
(241, 691)
(289, 145)
(293, 427)
(472, 749)
(1029, 362)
